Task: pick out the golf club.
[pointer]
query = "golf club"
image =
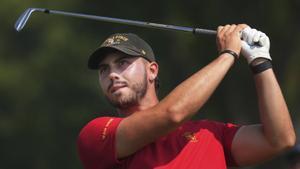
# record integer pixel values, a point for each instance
(22, 20)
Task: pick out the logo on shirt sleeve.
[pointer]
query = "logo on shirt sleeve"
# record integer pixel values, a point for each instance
(104, 133)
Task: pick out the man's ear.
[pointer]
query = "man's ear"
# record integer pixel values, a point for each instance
(153, 69)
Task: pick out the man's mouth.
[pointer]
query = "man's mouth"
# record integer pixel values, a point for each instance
(116, 86)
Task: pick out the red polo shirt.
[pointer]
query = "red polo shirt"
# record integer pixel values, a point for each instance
(195, 145)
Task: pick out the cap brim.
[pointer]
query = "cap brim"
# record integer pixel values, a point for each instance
(98, 55)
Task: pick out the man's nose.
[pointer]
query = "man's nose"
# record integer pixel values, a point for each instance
(114, 75)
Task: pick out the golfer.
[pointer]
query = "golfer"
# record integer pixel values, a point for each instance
(149, 133)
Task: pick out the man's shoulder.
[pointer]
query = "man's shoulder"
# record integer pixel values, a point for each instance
(100, 123)
(96, 142)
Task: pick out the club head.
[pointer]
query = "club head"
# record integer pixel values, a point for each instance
(22, 20)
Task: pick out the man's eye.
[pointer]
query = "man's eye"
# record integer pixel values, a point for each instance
(102, 69)
(123, 62)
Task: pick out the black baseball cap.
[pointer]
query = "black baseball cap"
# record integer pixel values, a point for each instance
(127, 43)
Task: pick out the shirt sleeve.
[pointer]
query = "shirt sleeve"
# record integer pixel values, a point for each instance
(229, 131)
(96, 143)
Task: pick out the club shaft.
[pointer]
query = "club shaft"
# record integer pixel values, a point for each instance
(134, 23)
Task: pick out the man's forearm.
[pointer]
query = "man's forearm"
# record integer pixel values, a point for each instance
(186, 99)
(274, 114)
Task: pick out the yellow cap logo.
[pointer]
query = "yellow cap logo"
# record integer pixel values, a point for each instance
(117, 39)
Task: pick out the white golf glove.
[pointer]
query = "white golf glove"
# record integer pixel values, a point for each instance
(255, 44)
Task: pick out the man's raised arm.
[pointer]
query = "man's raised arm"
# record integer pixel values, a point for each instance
(255, 143)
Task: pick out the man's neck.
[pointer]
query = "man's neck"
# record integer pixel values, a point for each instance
(144, 104)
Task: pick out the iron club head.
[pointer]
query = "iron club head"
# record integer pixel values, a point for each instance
(22, 20)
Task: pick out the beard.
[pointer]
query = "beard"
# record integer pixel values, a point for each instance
(137, 92)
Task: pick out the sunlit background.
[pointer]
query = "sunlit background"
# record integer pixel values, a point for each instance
(47, 93)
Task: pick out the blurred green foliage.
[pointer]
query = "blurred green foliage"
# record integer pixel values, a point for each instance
(47, 93)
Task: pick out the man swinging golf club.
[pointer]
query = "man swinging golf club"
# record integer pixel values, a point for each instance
(159, 134)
